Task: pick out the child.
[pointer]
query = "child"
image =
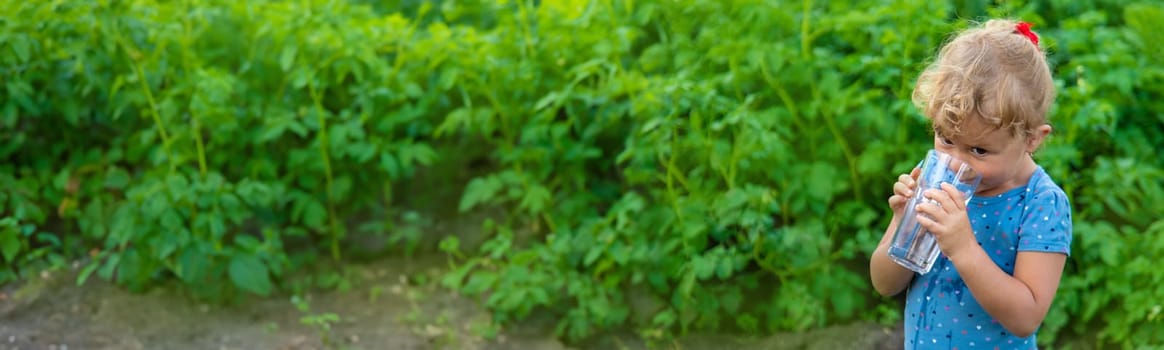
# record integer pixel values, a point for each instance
(987, 95)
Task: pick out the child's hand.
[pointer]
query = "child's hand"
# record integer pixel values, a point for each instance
(902, 191)
(950, 224)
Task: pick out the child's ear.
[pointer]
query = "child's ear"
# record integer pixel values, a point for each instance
(1037, 137)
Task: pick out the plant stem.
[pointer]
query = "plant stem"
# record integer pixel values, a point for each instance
(196, 130)
(805, 32)
(145, 87)
(336, 230)
(850, 159)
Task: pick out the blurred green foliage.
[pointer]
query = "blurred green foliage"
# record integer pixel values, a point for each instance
(726, 161)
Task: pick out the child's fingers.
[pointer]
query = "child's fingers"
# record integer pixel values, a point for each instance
(929, 224)
(941, 196)
(896, 199)
(905, 179)
(956, 197)
(927, 208)
(897, 202)
(902, 189)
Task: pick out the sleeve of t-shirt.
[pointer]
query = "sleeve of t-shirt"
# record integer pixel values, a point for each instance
(1046, 226)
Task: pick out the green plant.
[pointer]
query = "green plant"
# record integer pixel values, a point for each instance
(648, 164)
(705, 200)
(202, 157)
(747, 144)
(322, 322)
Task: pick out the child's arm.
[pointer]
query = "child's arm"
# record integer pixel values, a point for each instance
(1018, 302)
(888, 277)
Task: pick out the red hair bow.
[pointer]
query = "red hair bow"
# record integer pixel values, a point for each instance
(1024, 28)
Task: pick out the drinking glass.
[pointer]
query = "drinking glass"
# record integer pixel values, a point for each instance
(913, 246)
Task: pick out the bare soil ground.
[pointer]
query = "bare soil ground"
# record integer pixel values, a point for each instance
(381, 310)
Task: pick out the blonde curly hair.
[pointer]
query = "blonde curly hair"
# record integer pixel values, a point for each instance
(991, 72)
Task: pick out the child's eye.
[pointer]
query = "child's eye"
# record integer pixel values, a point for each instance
(978, 151)
(946, 141)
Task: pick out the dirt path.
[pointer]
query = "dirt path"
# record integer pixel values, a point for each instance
(381, 310)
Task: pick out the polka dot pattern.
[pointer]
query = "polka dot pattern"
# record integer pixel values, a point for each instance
(940, 311)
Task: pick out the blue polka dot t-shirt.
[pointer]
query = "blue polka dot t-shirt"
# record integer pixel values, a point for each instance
(940, 313)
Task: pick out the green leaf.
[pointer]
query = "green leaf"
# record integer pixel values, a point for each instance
(250, 274)
(538, 296)
(193, 265)
(110, 266)
(546, 100)
(61, 181)
(480, 190)
(361, 151)
(9, 241)
(341, 188)
(48, 238)
(287, 58)
(448, 78)
(724, 268)
(455, 278)
(747, 322)
(450, 245)
(389, 164)
(665, 318)
(116, 178)
(413, 90)
(704, 266)
(1110, 254)
(314, 214)
(248, 243)
(21, 47)
(480, 282)
(230, 202)
(592, 255)
(458, 118)
(301, 76)
(420, 153)
(86, 272)
(170, 220)
(273, 130)
(536, 198)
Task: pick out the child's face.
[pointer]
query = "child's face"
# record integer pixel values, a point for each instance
(1001, 159)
